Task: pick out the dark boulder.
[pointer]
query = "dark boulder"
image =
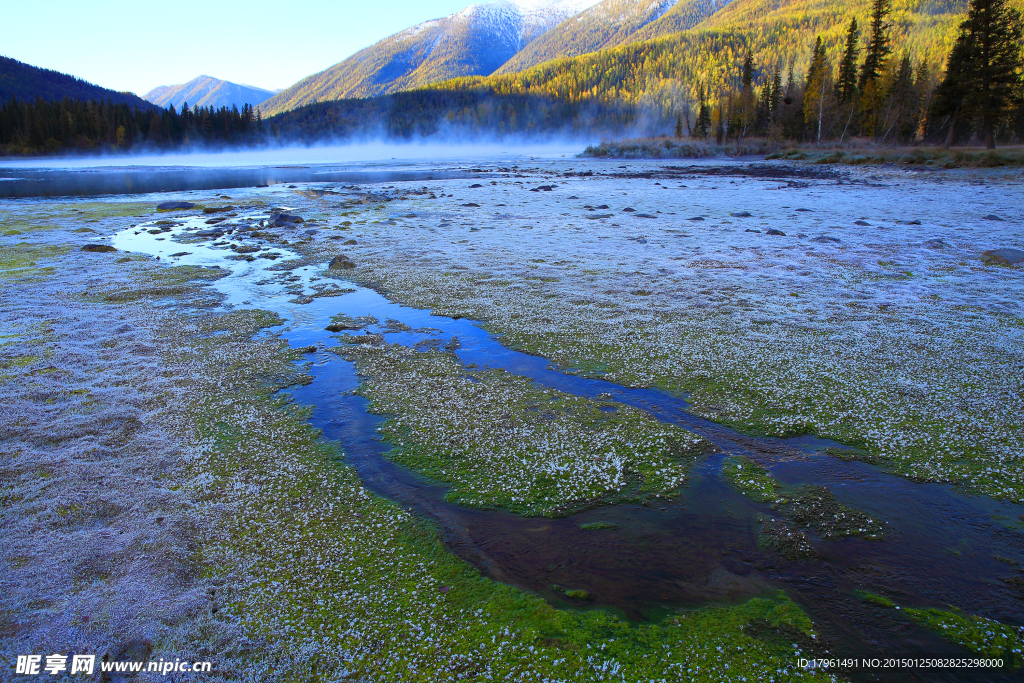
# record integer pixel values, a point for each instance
(218, 209)
(1003, 257)
(741, 214)
(285, 220)
(341, 262)
(174, 206)
(98, 248)
(992, 217)
(773, 231)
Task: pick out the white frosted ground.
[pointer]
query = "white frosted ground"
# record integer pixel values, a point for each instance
(884, 337)
(892, 334)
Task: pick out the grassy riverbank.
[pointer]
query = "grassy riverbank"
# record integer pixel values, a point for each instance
(856, 153)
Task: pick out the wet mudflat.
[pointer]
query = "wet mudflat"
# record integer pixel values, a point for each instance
(940, 546)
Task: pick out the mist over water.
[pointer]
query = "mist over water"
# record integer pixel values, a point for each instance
(366, 152)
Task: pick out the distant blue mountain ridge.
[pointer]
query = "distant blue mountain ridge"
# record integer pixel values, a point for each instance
(207, 91)
(27, 82)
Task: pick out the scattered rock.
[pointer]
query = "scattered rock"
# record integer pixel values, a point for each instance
(174, 206)
(284, 220)
(341, 262)
(859, 222)
(349, 242)
(629, 209)
(98, 248)
(645, 215)
(803, 209)
(934, 244)
(773, 231)
(741, 214)
(602, 207)
(1003, 257)
(752, 230)
(342, 323)
(475, 185)
(218, 209)
(992, 217)
(825, 238)
(471, 204)
(212, 232)
(697, 218)
(543, 188)
(595, 216)
(914, 222)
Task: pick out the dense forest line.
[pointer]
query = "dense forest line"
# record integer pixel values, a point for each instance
(422, 113)
(70, 125)
(886, 97)
(872, 88)
(762, 82)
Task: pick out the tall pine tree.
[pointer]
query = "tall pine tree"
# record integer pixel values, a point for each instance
(878, 42)
(846, 84)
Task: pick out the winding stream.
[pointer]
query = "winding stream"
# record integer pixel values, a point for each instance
(698, 549)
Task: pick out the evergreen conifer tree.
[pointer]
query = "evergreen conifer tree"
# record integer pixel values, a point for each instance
(983, 73)
(878, 49)
(846, 84)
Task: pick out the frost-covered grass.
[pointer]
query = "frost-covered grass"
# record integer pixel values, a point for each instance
(751, 479)
(873, 320)
(160, 499)
(671, 148)
(357, 586)
(503, 441)
(986, 637)
(809, 507)
(861, 154)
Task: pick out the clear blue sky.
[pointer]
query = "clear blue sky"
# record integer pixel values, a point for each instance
(138, 45)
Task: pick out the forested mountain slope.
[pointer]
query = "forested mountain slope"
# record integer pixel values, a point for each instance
(665, 71)
(475, 41)
(606, 24)
(27, 82)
